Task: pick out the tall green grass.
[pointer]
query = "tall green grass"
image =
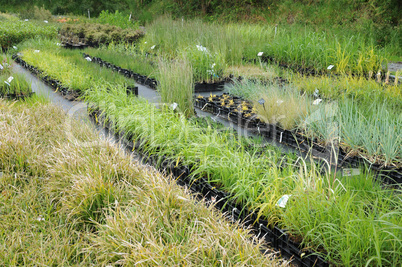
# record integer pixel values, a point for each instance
(176, 85)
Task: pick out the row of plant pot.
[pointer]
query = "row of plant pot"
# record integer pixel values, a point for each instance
(151, 82)
(273, 235)
(68, 93)
(240, 113)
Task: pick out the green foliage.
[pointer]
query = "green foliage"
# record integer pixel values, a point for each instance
(117, 19)
(37, 14)
(17, 85)
(176, 85)
(207, 66)
(13, 32)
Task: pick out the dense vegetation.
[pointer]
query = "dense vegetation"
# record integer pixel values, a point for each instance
(349, 103)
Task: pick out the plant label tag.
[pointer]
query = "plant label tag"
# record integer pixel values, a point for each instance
(261, 101)
(10, 79)
(1, 67)
(260, 54)
(330, 67)
(350, 172)
(36, 51)
(317, 101)
(7, 83)
(283, 200)
(173, 106)
(88, 59)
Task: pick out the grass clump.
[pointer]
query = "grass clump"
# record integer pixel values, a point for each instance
(176, 85)
(14, 32)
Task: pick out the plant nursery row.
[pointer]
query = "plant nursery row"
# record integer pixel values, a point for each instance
(334, 215)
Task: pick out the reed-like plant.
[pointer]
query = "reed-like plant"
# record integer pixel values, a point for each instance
(176, 85)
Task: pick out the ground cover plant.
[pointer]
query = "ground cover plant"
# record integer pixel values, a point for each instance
(258, 182)
(67, 203)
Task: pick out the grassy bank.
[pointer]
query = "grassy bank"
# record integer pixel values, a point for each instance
(69, 198)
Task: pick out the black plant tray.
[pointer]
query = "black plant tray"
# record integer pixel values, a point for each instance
(209, 87)
(273, 235)
(16, 96)
(151, 82)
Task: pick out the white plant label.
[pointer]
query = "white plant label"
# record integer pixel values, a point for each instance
(350, 172)
(317, 101)
(316, 93)
(45, 21)
(36, 51)
(1, 67)
(173, 106)
(260, 54)
(10, 79)
(283, 200)
(330, 67)
(201, 48)
(152, 47)
(261, 101)
(7, 83)
(88, 59)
